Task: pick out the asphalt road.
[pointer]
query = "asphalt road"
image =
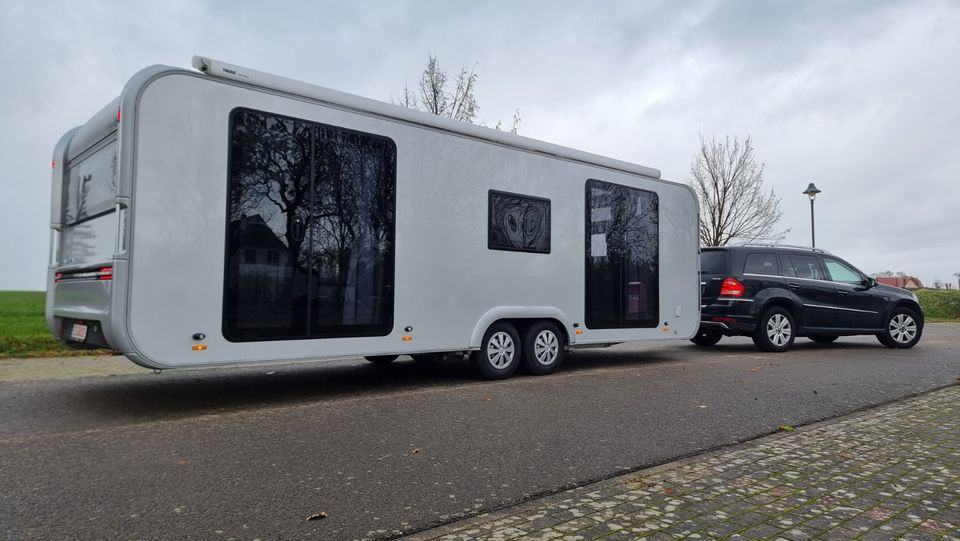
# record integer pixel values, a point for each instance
(251, 453)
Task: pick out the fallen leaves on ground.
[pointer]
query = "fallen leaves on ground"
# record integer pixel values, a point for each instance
(415, 451)
(317, 516)
(786, 428)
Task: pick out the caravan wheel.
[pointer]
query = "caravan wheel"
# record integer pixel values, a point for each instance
(543, 350)
(499, 352)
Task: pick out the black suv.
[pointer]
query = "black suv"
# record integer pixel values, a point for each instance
(776, 293)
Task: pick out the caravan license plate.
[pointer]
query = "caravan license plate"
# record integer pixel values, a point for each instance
(79, 332)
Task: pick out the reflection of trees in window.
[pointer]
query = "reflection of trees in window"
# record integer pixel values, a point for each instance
(629, 222)
(325, 196)
(353, 225)
(622, 248)
(270, 166)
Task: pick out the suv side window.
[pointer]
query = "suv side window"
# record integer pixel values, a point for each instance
(762, 264)
(802, 266)
(842, 273)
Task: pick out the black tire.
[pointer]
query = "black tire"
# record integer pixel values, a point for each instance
(381, 359)
(706, 337)
(903, 329)
(775, 331)
(500, 352)
(543, 348)
(886, 340)
(824, 338)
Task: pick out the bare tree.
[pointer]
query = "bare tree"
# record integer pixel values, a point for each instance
(734, 204)
(434, 96)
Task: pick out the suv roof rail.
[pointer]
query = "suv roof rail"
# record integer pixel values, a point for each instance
(791, 246)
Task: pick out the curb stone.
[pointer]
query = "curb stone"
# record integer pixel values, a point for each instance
(891, 472)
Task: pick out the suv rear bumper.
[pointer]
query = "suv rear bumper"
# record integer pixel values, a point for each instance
(732, 318)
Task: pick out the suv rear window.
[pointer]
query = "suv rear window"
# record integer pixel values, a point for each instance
(762, 264)
(713, 262)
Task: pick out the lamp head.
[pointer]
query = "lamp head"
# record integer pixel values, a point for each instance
(811, 191)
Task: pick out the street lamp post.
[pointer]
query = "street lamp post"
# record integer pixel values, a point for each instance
(812, 192)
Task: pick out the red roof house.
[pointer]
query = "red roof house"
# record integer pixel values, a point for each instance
(904, 282)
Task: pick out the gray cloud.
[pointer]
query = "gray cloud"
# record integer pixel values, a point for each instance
(857, 96)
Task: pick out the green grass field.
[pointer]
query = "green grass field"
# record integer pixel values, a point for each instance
(23, 330)
(940, 304)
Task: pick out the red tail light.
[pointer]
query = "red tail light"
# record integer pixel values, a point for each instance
(57, 277)
(731, 288)
(106, 273)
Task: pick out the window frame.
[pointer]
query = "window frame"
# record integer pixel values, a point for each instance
(776, 259)
(789, 256)
(370, 330)
(650, 323)
(862, 277)
(549, 217)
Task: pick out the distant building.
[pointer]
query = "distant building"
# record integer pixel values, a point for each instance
(904, 282)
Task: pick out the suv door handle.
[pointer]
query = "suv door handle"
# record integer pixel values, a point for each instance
(844, 293)
(794, 286)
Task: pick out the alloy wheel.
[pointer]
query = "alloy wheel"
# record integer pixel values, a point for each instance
(778, 330)
(902, 328)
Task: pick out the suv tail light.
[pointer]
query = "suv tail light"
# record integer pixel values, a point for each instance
(731, 287)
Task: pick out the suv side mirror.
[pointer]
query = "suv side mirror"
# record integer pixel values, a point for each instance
(870, 283)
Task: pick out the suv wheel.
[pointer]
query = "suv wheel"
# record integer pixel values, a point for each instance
(775, 330)
(706, 337)
(902, 330)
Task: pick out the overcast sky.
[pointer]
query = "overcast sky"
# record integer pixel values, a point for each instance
(860, 97)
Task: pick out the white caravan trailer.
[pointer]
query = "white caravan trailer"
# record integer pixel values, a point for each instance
(226, 216)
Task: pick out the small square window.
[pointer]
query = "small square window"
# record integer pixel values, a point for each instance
(518, 223)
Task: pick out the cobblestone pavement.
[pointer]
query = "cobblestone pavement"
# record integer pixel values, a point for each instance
(892, 472)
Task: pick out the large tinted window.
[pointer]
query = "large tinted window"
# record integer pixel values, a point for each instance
(622, 256)
(311, 230)
(518, 222)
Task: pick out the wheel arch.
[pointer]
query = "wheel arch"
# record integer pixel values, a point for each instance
(786, 303)
(912, 305)
(521, 317)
